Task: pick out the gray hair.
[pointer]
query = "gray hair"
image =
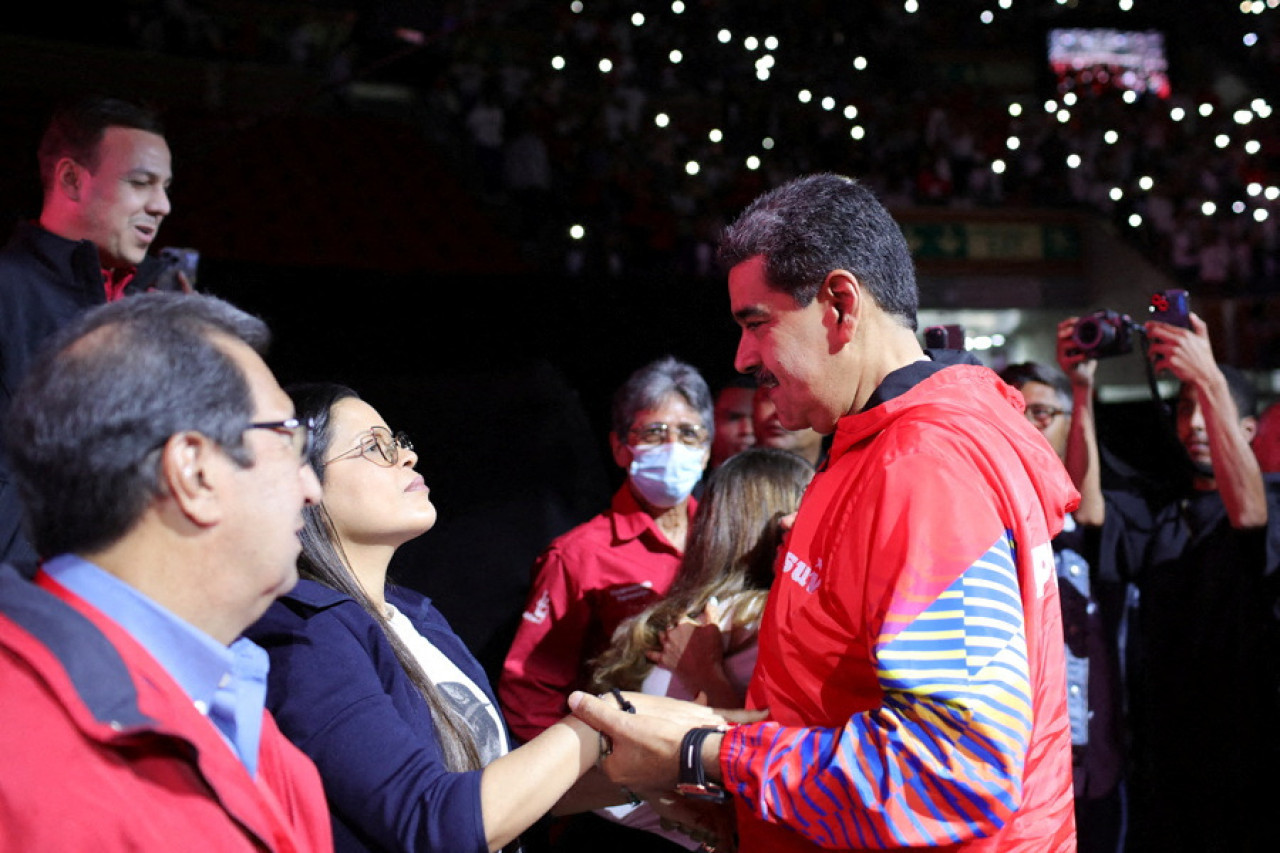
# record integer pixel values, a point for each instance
(649, 386)
(812, 225)
(102, 398)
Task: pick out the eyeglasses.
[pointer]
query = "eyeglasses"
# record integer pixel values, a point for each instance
(1042, 414)
(690, 435)
(380, 446)
(301, 433)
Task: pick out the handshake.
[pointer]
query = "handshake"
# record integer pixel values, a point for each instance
(667, 751)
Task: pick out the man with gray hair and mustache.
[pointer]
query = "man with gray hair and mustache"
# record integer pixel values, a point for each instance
(911, 654)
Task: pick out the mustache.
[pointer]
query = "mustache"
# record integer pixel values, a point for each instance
(765, 379)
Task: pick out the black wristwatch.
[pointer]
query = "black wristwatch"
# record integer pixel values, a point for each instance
(692, 781)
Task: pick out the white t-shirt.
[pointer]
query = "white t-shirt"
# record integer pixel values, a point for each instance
(462, 694)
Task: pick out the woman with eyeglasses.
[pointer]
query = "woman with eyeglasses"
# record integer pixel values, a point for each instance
(373, 685)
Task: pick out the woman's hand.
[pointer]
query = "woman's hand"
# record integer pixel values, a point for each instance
(693, 649)
(689, 649)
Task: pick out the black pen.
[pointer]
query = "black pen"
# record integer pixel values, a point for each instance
(622, 701)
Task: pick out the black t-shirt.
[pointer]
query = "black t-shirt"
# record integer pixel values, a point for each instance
(1203, 665)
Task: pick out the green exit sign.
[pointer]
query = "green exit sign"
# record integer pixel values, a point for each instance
(993, 241)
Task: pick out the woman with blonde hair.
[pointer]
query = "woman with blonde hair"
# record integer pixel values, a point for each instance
(722, 585)
(701, 637)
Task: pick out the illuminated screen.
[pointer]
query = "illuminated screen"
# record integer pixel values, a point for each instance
(1096, 59)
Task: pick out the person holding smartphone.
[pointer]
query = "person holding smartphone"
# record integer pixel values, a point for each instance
(105, 168)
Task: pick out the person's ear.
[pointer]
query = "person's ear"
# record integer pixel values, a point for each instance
(68, 179)
(845, 294)
(187, 478)
(622, 454)
(1249, 426)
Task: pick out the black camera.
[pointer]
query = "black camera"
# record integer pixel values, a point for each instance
(1106, 333)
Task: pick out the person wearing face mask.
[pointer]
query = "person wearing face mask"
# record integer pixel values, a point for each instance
(593, 577)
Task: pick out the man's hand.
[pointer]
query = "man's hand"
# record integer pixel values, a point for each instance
(1078, 367)
(1186, 353)
(646, 744)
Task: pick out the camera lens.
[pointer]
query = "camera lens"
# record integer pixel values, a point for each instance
(1103, 334)
(1090, 333)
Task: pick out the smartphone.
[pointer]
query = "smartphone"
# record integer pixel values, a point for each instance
(178, 260)
(950, 336)
(1172, 307)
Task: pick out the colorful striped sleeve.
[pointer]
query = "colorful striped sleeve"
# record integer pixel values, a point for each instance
(941, 760)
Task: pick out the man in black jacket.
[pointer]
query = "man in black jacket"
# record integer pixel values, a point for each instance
(105, 168)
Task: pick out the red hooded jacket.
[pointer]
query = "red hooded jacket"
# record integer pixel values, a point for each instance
(912, 651)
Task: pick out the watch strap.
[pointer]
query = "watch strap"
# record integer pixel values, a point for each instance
(692, 777)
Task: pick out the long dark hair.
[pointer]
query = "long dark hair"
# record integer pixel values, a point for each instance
(731, 552)
(324, 561)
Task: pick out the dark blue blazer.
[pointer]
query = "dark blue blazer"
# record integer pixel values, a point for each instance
(338, 692)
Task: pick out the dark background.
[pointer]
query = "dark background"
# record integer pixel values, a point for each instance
(335, 191)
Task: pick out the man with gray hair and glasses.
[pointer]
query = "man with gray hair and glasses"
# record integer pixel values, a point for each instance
(162, 475)
(616, 564)
(1091, 608)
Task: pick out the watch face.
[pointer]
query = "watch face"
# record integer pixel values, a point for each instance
(709, 793)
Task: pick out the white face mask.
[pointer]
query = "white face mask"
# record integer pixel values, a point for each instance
(665, 474)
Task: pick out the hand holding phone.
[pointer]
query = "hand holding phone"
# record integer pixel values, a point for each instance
(181, 268)
(1171, 306)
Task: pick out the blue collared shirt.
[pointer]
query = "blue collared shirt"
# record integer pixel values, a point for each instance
(228, 684)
